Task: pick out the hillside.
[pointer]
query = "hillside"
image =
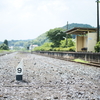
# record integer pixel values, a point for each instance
(42, 38)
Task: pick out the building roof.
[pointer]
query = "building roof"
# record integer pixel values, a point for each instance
(80, 30)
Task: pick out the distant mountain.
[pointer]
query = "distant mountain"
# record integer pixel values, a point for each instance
(18, 42)
(70, 26)
(1, 42)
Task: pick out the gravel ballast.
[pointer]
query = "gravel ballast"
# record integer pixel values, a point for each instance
(47, 78)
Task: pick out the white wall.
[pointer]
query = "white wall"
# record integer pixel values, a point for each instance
(92, 40)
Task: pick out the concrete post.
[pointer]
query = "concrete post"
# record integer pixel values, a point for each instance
(19, 71)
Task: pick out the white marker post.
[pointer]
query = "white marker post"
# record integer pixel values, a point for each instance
(19, 71)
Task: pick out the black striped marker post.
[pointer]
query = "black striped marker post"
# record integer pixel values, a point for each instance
(19, 71)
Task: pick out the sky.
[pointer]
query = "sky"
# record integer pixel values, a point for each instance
(27, 19)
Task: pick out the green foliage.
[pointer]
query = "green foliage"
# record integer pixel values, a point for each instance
(47, 44)
(69, 36)
(63, 47)
(4, 47)
(72, 49)
(6, 42)
(40, 40)
(6, 51)
(48, 47)
(63, 44)
(56, 35)
(80, 60)
(19, 43)
(44, 47)
(97, 47)
(67, 43)
(70, 43)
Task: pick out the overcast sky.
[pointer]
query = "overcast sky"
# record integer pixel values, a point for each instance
(27, 19)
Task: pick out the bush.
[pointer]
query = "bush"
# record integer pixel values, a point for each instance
(4, 47)
(51, 47)
(68, 43)
(97, 47)
(56, 49)
(68, 49)
(65, 49)
(42, 49)
(72, 48)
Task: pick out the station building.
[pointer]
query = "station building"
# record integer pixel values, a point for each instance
(86, 38)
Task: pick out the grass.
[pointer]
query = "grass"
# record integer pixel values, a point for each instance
(1, 51)
(80, 60)
(5, 51)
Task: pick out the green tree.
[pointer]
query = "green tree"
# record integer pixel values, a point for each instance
(6, 42)
(56, 35)
(70, 43)
(63, 43)
(97, 47)
(4, 47)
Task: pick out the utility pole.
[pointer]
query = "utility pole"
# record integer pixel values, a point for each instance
(98, 20)
(67, 25)
(66, 34)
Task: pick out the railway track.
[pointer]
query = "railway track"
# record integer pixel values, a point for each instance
(45, 77)
(68, 70)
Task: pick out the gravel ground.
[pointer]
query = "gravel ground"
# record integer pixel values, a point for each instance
(47, 78)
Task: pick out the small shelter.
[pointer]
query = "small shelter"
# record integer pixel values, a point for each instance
(86, 38)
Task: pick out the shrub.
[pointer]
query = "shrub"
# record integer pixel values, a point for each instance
(42, 49)
(64, 49)
(4, 47)
(97, 47)
(68, 43)
(72, 48)
(68, 49)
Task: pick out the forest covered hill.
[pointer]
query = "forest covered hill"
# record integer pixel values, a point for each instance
(70, 26)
